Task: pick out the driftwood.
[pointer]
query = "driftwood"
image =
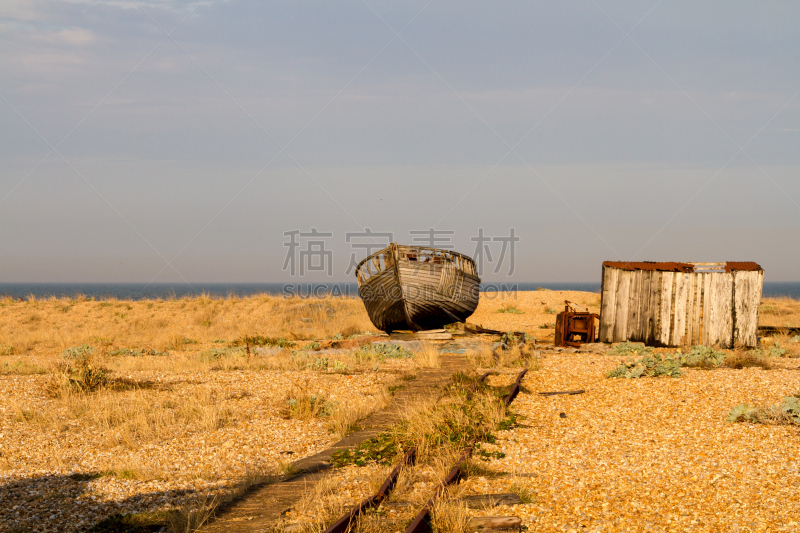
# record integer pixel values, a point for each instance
(494, 523)
(429, 335)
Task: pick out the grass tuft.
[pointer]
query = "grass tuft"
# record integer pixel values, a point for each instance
(748, 359)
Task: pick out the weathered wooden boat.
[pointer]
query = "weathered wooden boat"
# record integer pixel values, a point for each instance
(417, 288)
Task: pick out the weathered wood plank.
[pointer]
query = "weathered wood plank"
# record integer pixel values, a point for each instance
(682, 284)
(664, 329)
(696, 300)
(623, 299)
(654, 318)
(719, 333)
(644, 306)
(747, 297)
(703, 339)
(634, 305)
(608, 301)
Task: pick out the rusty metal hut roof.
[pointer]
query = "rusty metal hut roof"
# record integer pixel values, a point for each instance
(729, 266)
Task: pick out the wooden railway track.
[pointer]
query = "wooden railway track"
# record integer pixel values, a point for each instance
(422, 521)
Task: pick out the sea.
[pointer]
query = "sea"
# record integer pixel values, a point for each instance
(154, 291)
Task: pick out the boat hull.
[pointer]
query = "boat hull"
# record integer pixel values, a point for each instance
(419, 288)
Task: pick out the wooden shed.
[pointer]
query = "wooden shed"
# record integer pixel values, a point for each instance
(681, 304)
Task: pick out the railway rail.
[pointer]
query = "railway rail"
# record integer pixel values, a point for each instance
(422, 521)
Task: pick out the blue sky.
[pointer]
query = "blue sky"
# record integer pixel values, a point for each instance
(168, 141)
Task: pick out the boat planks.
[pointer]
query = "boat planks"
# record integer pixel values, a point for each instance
(417, 288)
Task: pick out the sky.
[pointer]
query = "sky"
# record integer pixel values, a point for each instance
(185, 141)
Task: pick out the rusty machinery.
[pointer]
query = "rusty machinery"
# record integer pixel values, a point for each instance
(574, 327)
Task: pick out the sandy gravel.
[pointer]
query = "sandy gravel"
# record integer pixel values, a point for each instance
(650, 454)
(537, 308)
(39, 488)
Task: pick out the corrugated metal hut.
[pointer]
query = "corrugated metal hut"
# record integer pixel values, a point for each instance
(681, 304)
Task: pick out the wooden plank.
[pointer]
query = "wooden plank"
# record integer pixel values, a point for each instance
(720, 329)
(654, 321)
(681, 291)
(747, 292)
(632, 320)
(650, 279)
(608, 296)
(664, 328)
(716, 308)
(623, 293)
(644, 306)
(690, 290)
(696, 299)
(493, 523)
(710, 307)
(706, 311)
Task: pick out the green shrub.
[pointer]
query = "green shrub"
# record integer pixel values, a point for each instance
(218, 353)
(137, 352)
(311, 346)
(791, 406)
(509, 309)
(630, 349)
(80, 375)
(653, 365)
(745, 413)
(777, 351)
(307, 406)
(260, 340)
(78, 352)
(702, 357)
(786, 413)
(380, 352)
(381, 449)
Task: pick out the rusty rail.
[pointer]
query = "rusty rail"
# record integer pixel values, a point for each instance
(343, 524)
(422, 522)
(515, 388)
(474, 387)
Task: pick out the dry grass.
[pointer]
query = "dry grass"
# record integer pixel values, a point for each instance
(134, 417)
(779, 312)
(428, 356)
(434, 427)
(324, 503)
(344, 418)
(528, 310)
(449, 515)
(19, 367)
(488, 357)
(303, 402)
(747, 359)
(46, 327)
